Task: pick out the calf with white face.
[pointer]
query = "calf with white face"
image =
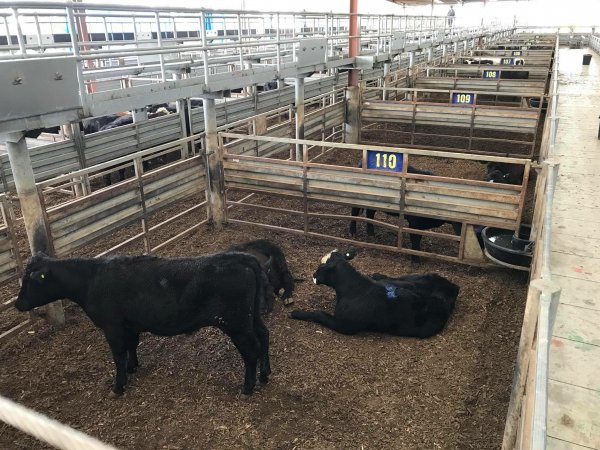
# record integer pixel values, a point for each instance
(412, 305)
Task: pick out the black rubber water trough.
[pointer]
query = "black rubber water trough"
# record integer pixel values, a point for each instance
(508, 248)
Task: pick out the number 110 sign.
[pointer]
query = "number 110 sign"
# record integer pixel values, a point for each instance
(377, 160)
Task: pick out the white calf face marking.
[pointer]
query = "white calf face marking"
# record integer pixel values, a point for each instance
(314, 280)
(325, 258)
(164, 282)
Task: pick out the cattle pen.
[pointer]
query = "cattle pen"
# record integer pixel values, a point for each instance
(287, 126)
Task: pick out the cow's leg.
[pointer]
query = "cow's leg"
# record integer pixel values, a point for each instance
(263, 339)
(121, 174)
(248, 346)
(415, 244)
(287, 281)
(370, 226)
(107, 180)
(133, 339)
(355, 212)
(324, 319)
(118, 347)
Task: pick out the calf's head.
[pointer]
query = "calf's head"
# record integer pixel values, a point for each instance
(497, 176)
(330, 263)
(38, 286)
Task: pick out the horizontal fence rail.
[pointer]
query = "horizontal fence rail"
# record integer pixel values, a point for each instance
(472, 110)
(465, 201)
(54, 159)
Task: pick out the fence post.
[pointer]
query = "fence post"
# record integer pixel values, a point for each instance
(352, 125)
(214, 157)
(299, 103)
(31, 207)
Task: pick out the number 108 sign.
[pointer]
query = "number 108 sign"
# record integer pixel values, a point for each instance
(377, 160)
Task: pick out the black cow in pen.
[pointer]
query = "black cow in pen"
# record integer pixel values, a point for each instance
(504, 173)
(273, 261)
(414, 222)
(125, 296)
(412, 305)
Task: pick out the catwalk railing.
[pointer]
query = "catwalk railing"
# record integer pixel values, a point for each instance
(117, 57)
(526, 422)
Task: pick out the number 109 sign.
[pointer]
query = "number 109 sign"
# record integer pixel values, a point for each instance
(377, 160)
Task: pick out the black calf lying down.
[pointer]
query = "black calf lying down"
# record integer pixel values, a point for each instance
(413, 305)
(273, 261)
(125, 296)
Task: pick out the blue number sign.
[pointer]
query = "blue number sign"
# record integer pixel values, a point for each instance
(507, 61)
(384, 161)
(462, 98)
(491, 74)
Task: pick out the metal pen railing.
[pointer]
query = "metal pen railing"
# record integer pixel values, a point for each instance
(531, 372)
(171, 42)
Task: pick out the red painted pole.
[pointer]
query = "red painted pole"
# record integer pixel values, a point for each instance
(354, 33)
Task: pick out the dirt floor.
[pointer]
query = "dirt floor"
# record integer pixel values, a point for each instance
(328, 391)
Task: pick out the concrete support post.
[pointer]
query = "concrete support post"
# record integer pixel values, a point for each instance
(183, 110)
(214, 157)
(248, 90)
(299, 103)
(455, 50)
(31, 207)
(82, 184)
(411, 61)
(444, 50)
(352, 125)
(429, 54)
(386, 72)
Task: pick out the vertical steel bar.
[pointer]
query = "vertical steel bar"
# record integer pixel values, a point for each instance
(20, 37)
(163, 73)
(299, 103)
(38, 31)
(277, 22)
(205, 45)
(75, 47)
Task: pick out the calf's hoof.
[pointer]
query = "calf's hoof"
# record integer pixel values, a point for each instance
(288, 301)
(298, 314)
(113, 394)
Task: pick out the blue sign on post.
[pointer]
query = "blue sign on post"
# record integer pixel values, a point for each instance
(463, 98)
(507, 61)
(491, 74)
(377, 160)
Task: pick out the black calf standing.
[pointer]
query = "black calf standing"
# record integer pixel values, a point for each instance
(278, 273)
(413, 305)
(415, 222)
(125, 296)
